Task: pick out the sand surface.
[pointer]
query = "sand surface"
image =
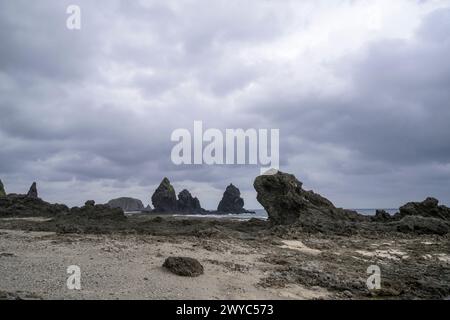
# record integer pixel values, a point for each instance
(253, 264)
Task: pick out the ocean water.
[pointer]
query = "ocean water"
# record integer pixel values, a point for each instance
(259, 214)
(262, 214)
(371, 212)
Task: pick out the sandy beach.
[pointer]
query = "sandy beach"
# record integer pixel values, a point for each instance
(242, 260)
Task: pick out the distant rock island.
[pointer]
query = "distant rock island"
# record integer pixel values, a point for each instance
(165, 201)
(127, 204)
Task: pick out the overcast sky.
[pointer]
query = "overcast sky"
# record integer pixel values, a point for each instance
(360, 91)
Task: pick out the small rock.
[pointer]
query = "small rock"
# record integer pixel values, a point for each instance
(183, 266)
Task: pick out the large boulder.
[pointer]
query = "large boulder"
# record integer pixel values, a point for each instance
(285, 201)
(183, 266)
(429, 208)
(188, 204)
(127, 204)
(33, 193)
(164, 199)
(231, 201)
(2, 189)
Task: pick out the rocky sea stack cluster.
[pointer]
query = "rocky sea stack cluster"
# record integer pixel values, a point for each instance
(164, 200)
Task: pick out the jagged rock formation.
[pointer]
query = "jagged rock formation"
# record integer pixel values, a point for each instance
(231, 201)
(127, 204)
(2, 189)
(286, 202)
(33, 193)
(23, 205)
(164, 199)
(188, 204)
(183, 266)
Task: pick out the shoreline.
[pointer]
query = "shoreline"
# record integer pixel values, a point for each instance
(242, 260)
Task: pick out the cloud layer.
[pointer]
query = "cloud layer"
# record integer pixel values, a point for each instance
(358, 90)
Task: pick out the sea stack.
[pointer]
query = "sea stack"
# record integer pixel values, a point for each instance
(164, 199)
(33, 193)
(231, 201)
(2, 189)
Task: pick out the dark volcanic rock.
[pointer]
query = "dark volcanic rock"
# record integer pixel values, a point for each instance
(147, 209)
(428, 208)
(422, 225)
(164, 199)
(127, 204)
(23, 205)
(32, 193)
(231, 201)
(183, 266)
(2, 189)
(381, 216)
(187, 203)
(285, 201)
(96, 211)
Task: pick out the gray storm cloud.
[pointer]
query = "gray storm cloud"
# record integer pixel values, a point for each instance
(363, 108)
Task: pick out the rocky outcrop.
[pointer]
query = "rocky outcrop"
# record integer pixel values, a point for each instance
(422, 225)
(25, 206)
(231, 201)
(286, 202)
(2, 189)
(127, 204)
(428, 208)
(164, 199)
(183, 266)
(188, 204)
(96, 212)
(33, 193)
(381, 216)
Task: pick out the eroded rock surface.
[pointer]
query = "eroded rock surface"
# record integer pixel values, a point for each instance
(285, 201)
